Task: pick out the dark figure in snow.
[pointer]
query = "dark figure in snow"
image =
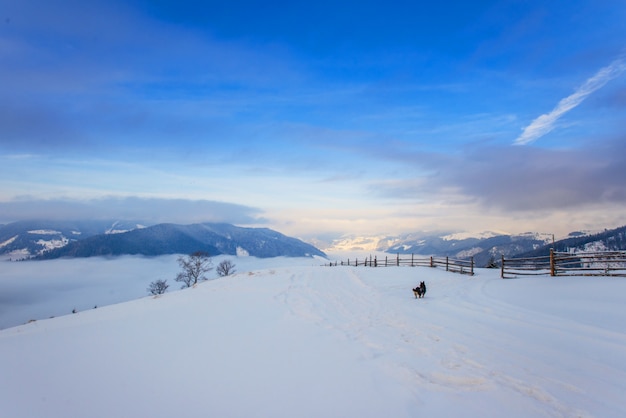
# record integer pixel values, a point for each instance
(420, 291)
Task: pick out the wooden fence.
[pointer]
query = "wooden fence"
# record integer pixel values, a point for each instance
(601, 263)
(450, 264)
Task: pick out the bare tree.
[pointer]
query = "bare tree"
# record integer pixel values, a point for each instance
(194, 267)
(225, 268)
(158, 287)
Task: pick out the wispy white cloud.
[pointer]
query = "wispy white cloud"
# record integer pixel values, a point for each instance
(546, 122)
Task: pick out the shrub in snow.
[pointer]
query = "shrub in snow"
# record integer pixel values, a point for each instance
(225, 268)
(158, 287)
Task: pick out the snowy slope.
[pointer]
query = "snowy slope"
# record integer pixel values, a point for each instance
(309, 341)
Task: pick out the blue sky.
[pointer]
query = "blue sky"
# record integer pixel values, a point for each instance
(316, 119)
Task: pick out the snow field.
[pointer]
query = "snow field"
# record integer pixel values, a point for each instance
(311, 341)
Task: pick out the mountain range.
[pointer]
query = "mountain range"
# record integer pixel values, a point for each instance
(607, 240)
(484, 248)
(54, 239)
(47, 240)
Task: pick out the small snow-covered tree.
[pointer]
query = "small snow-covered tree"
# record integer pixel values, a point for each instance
(194, 267)
(158, 287)
(225, 268)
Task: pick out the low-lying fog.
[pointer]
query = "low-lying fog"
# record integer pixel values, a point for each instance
(42, 289)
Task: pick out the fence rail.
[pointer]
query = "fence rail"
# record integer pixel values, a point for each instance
(599, 263)
(450, 264)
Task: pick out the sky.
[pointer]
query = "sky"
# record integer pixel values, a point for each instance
(317, 119)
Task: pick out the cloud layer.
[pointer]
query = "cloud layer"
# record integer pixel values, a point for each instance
(150, 210)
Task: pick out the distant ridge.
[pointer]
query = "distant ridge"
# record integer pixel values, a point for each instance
(608, 240)
(54, 239)
(48, 240)
(485, 248)
(26, 239)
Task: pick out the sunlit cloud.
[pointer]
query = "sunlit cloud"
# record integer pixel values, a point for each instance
(546, 122)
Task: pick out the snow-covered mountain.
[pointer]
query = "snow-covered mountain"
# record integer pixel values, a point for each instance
(458, 245)
(47, 240)
(27, 239)
(607, 240)
(483, 247)
(359, 243)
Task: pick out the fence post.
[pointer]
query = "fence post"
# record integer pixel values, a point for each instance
(472, 266)
(375, 262)
(552, 267)
(502, 267)
(385, 261)
(446, 263)
(432, 264)
(412, 255)
(398, 259)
